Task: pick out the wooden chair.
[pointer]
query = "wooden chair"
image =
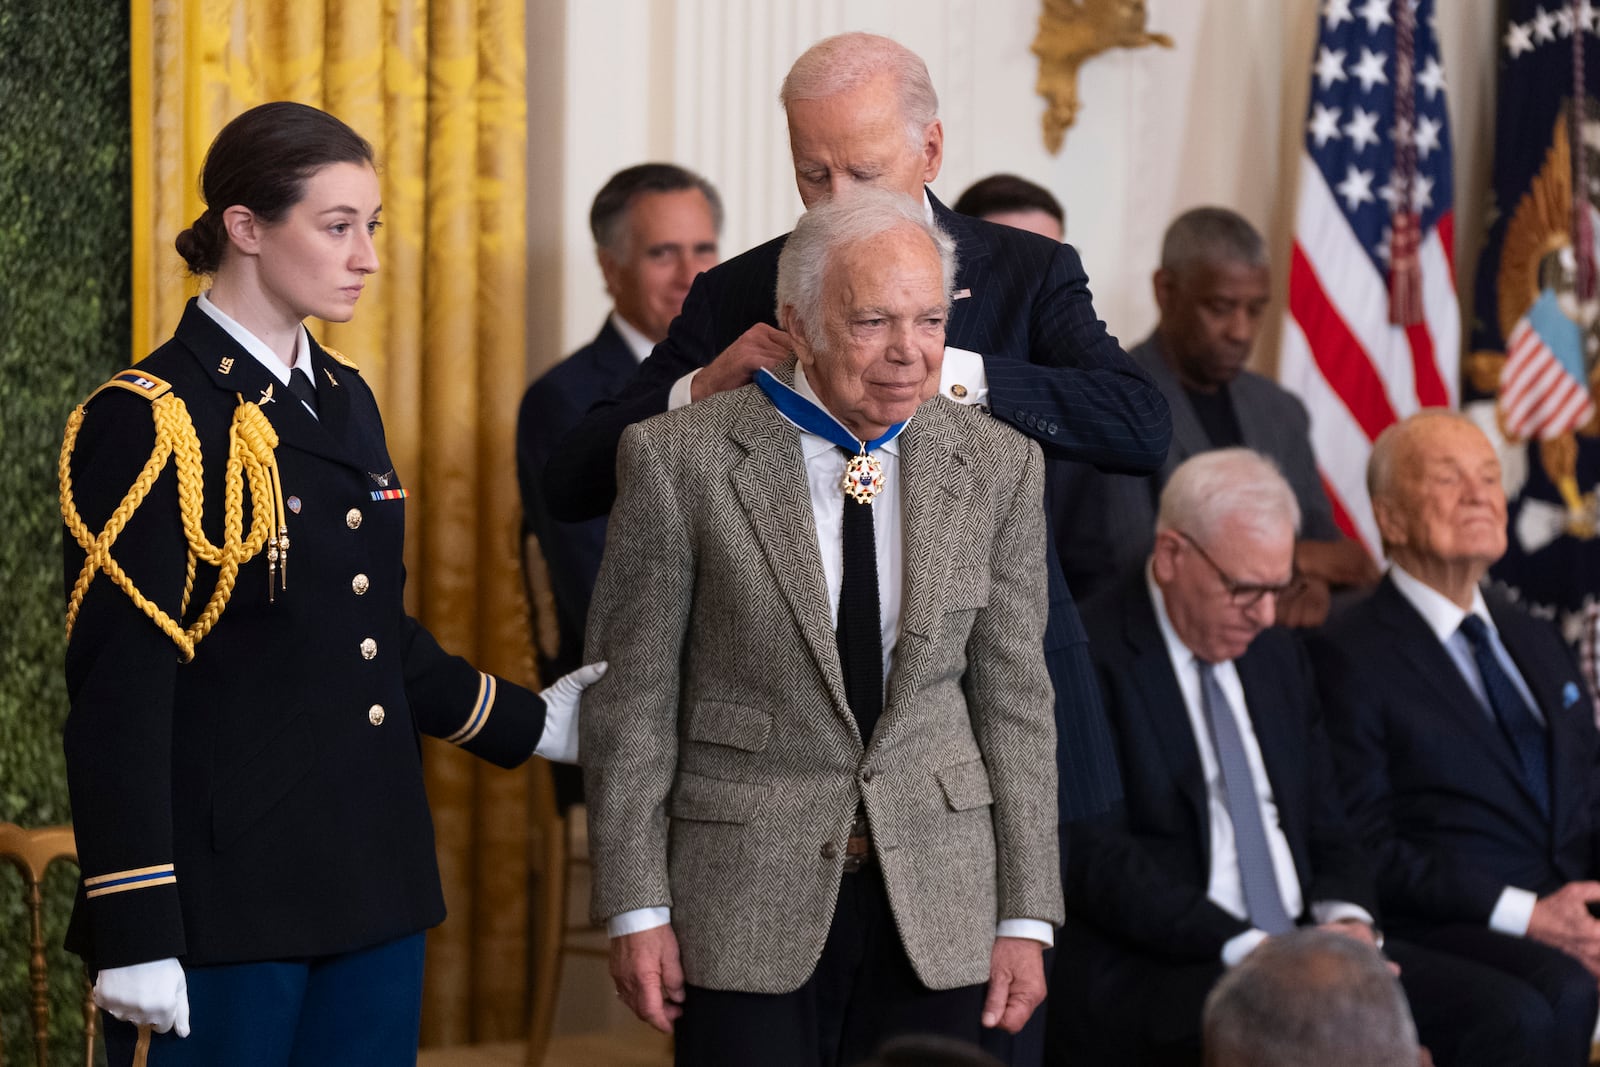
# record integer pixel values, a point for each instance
(31, 852)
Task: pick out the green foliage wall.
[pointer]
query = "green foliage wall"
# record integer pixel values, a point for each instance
(64, 327)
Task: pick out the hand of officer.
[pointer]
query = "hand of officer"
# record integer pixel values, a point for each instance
(560, 741)
(154, 994)
(759, 346)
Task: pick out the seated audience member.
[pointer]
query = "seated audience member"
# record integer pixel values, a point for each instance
(1231, 830)
(1310, 999)
(1466, 743)
(1212, 288)
(820, 793)
(1013, 201)
(655, 228)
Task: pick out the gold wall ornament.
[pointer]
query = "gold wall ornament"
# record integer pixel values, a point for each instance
(1071, 32)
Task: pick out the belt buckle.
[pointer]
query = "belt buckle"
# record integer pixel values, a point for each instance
(858, 849)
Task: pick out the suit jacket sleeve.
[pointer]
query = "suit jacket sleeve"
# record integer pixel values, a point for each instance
(580, 481)
(1078, 394)
(1300, 468)
(1410, 880)
(628, 732)
(1009, 694)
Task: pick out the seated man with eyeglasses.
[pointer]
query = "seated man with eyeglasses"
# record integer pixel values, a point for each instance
(1232, 829)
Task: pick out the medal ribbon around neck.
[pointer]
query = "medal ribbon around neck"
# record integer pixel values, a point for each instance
(863, 475)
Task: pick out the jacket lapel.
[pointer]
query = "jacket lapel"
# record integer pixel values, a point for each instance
(1542, 678)
(966, 328)
(1432, 666)
(1188, 436)
(1163, 704)
(770, 482)
(1267, 705)
(935, 480)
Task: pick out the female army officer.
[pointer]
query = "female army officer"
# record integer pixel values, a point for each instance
(247, 689)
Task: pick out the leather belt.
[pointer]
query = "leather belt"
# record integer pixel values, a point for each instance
(858, 848)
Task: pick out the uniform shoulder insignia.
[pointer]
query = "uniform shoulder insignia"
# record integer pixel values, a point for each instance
(340, 358)
(136, 381)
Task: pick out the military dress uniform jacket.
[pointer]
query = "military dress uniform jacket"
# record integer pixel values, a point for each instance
(723, 767)
(264, 800)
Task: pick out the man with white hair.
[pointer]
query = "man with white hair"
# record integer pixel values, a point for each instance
(1024, 344)
(822, 771)
(1232, 830)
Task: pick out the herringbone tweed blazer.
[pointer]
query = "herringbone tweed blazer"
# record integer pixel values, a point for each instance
(722, 765)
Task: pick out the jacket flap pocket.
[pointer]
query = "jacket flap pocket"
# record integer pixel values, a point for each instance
(736, 725)
(965, 785)
(967, 589)
(701, 799)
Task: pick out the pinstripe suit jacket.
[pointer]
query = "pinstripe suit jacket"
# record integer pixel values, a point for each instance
(722, 764)
(1113, 516)
(1054, 374)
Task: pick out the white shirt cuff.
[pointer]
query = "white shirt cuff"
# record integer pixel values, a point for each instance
(1032, 929)
(637, 921)
(1237, 947)
(1513, 911)
(680, 395)
(1332, 911)
(962, 378)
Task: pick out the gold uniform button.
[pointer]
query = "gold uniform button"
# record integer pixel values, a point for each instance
(375, 715)
(359, 585)
(958, 391)
(352, 518)
(369, 648)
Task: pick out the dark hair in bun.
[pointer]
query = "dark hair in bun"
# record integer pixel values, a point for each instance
(261, 161)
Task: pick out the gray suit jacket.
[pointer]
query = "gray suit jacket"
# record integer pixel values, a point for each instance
(1105, 523)
(722, 764)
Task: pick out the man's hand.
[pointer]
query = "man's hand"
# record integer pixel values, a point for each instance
(1338, 563)
(1016, 983)
(1307, 606)
(648, 976)
(1362, 932)
(1562, 920)
(154, 994)
(759, 346)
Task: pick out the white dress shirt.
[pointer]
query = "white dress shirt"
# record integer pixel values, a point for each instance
(1513, 911)
(258, 348)
(825, 463)
(1225, 888)
(640, 345)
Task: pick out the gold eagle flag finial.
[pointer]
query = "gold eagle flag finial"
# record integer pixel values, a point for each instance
(1072, 32)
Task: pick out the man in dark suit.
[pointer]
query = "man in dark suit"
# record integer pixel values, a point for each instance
(1022, 340)
(1231, 830)
(1465, 741)
(655, 229)
(1213, 285)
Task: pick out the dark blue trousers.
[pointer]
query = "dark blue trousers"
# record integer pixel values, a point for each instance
(358, 1009)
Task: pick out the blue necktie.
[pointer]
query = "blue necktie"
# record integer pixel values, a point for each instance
(1263, 898)
(1517, 722)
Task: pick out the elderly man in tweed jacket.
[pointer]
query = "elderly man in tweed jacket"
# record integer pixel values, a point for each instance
(812, 831)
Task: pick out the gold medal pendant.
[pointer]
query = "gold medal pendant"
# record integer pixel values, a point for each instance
(863, 477)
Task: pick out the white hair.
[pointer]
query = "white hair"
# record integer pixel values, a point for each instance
(837, 224)
(845, 61)
(1227, 484)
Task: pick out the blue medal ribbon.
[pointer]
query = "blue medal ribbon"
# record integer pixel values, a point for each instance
(813, 418)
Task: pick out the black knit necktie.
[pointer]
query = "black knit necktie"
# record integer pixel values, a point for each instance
(300, 385)
(860, 632)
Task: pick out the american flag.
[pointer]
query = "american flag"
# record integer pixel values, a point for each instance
(1373, 331)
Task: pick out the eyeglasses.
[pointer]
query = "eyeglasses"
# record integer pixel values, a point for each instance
(1243, 594)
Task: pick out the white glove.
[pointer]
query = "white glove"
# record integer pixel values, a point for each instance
(154, 994)
(560, 741)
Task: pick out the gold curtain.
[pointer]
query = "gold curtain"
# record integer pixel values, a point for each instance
(438, 87)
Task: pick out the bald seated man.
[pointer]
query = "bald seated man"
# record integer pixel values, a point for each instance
(1466, 745)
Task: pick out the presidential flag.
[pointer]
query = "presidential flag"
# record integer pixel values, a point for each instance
(1529, 375)
(1373, 329)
